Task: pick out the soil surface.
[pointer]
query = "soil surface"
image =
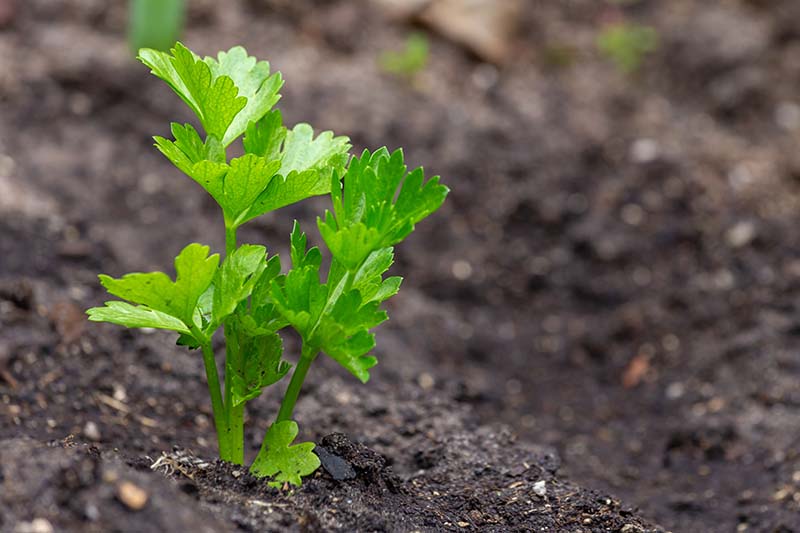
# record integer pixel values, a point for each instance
(615, 276)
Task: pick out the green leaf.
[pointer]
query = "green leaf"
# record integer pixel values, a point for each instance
(188, 148)
(263, 286)
(301, 299)
(236, 279)
(253, 79)
(299, 296)
(368, 280)
(352, 354)
(231, 95)
(248, 176)
(234, 186)
(131, 316)
(346, 339)
(265, 137)
(279, 459)
(302, 258)
(350, 245)
(302, 152)
(367, 216)
(307, 164)
(262, 366)
(214, 99)
(226, 94)
(335, 321)
(343, 334)
(195, 271)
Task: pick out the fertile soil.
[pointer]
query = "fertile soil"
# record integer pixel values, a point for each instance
(615, 277)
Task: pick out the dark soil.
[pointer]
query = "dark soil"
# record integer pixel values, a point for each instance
(616, 275)
(449, 475)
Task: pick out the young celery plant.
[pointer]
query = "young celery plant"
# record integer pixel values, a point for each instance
(246, 295)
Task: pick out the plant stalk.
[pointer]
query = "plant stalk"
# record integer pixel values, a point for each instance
(234, 416)
(307, 357)
(217, 405)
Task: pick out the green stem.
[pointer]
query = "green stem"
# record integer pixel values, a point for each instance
(348, 282)
(217, 405)
(234, 416)
(293, 391)
(230, 240)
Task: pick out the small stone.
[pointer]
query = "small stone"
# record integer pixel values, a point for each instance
(37, 525)
(741, 234)
(781, 494)
(426, 381)
(91, 512)
(337, 467)
(644, 151)
(675, 390)
(462, 524)
(119, 393)
(723, 280)
(236, 473)
(132, 496)
(461, 269)
(540, 488)
(632, 214)
(91, 431)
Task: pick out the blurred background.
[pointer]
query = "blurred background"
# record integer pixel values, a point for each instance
(616, 273)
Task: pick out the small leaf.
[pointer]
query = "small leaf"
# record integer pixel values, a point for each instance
(262, 366)
(300, 299)
(366, 216)
(352, 354)
(131, 316)
(254, 82)
(307, 164)
(281, 460)
(247, 177)
(265, 137)
(302, 258)
(203, 161)
(195, 271)
(214, 99)
(226, 93)
(303, 152)
(236, 279)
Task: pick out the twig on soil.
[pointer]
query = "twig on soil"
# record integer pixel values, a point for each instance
(48, 378)
(5, 373)
(6, 376)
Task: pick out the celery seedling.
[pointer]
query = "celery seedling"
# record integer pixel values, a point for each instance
(409, 61)
(376, 204)
(627, 44)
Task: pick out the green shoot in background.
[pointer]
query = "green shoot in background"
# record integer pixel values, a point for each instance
(409, 61)
(156, 24)
(627, 44)
(376, 202)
